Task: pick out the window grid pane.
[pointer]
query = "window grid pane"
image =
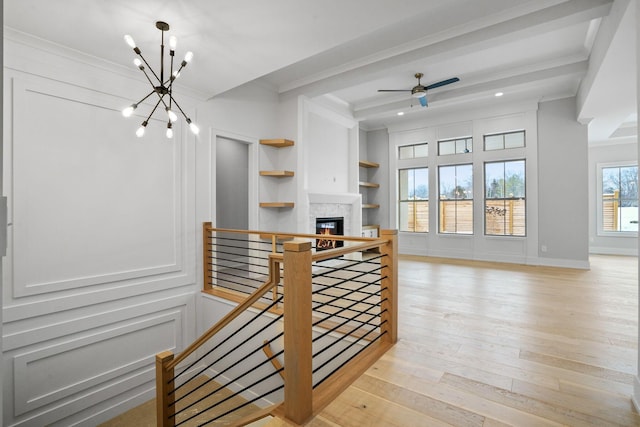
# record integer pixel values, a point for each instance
(620, 199)
(456, 199)
(505, 203)
(413, 206)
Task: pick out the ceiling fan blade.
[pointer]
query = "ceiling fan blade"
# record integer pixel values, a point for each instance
(394, 90)
(442, 83)
(423, 101)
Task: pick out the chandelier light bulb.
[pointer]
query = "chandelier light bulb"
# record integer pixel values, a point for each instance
(194, 128)
(172, 116)
(138, 63)
(129, 40)
(188, 56)
(176, 74)
(141, 129)
(169, 130)
(127, 112)
(172, 42)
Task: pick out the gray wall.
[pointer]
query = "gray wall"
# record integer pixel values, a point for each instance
(378, 151)
(563, 175)
(232, 184)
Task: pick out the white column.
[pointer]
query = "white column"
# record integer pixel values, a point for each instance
(636, 382)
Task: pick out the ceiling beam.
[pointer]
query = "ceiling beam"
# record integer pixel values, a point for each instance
(554, 17)
(480, 87)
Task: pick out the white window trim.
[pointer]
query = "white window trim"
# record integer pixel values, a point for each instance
(599, 230)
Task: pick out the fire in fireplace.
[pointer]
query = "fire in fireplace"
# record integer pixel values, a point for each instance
(329, 226)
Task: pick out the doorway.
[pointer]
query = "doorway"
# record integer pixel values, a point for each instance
(232, 197)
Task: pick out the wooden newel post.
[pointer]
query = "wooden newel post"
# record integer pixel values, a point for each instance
(298, 384)
(389, 294)
(207, 280)
(165, 406)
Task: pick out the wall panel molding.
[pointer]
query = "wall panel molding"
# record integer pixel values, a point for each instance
(100, 363)
(84, 234)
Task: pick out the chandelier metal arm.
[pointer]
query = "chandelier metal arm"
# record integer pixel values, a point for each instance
(144, 70)
(153, 111)
(179, 108)
(148, 95)
(151, 69)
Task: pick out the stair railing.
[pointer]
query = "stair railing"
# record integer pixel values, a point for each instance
(274, 353)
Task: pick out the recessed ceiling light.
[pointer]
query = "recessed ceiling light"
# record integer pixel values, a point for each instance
(499, 94)
(401, 113)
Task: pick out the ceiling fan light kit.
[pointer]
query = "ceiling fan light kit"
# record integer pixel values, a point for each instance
(419, 91)
(162, 87)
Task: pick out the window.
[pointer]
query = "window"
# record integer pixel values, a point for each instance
(456, 199)
(455, 146)
(504, 198)
(414, 200)
(502, 141)
(619, 199)
(413, 151)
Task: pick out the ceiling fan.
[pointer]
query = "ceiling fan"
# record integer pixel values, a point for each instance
(420, 91)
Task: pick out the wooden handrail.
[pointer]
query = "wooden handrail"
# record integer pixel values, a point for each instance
(229, 317)
(299, 235)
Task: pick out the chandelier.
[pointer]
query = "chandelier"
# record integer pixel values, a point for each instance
(162, 87)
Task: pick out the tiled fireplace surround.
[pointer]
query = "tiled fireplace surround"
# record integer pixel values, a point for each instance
(346, 205)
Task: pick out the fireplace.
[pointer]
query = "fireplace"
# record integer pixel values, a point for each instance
(329, 226)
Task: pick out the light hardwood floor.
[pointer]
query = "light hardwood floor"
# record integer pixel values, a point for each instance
(485, 344)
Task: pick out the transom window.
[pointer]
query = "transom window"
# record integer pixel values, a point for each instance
(413, 151)
(455, 146)
(503, 141)
(504, 198)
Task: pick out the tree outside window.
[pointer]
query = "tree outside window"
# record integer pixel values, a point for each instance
(414, 200)
(505, 201)
(456, 199)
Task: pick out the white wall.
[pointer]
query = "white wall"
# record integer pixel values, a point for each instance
(636, 380)
(246, 114)
(473, 123)
(327, 155)
(328, 148)
(563, 185)
(556, 190)
(608, 153)
(100, 271)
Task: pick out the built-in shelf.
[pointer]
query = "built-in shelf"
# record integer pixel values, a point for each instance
(368, 190)
(368, 164)
(277, 174)
(276, 204)
(369, 184)
(277, 142)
